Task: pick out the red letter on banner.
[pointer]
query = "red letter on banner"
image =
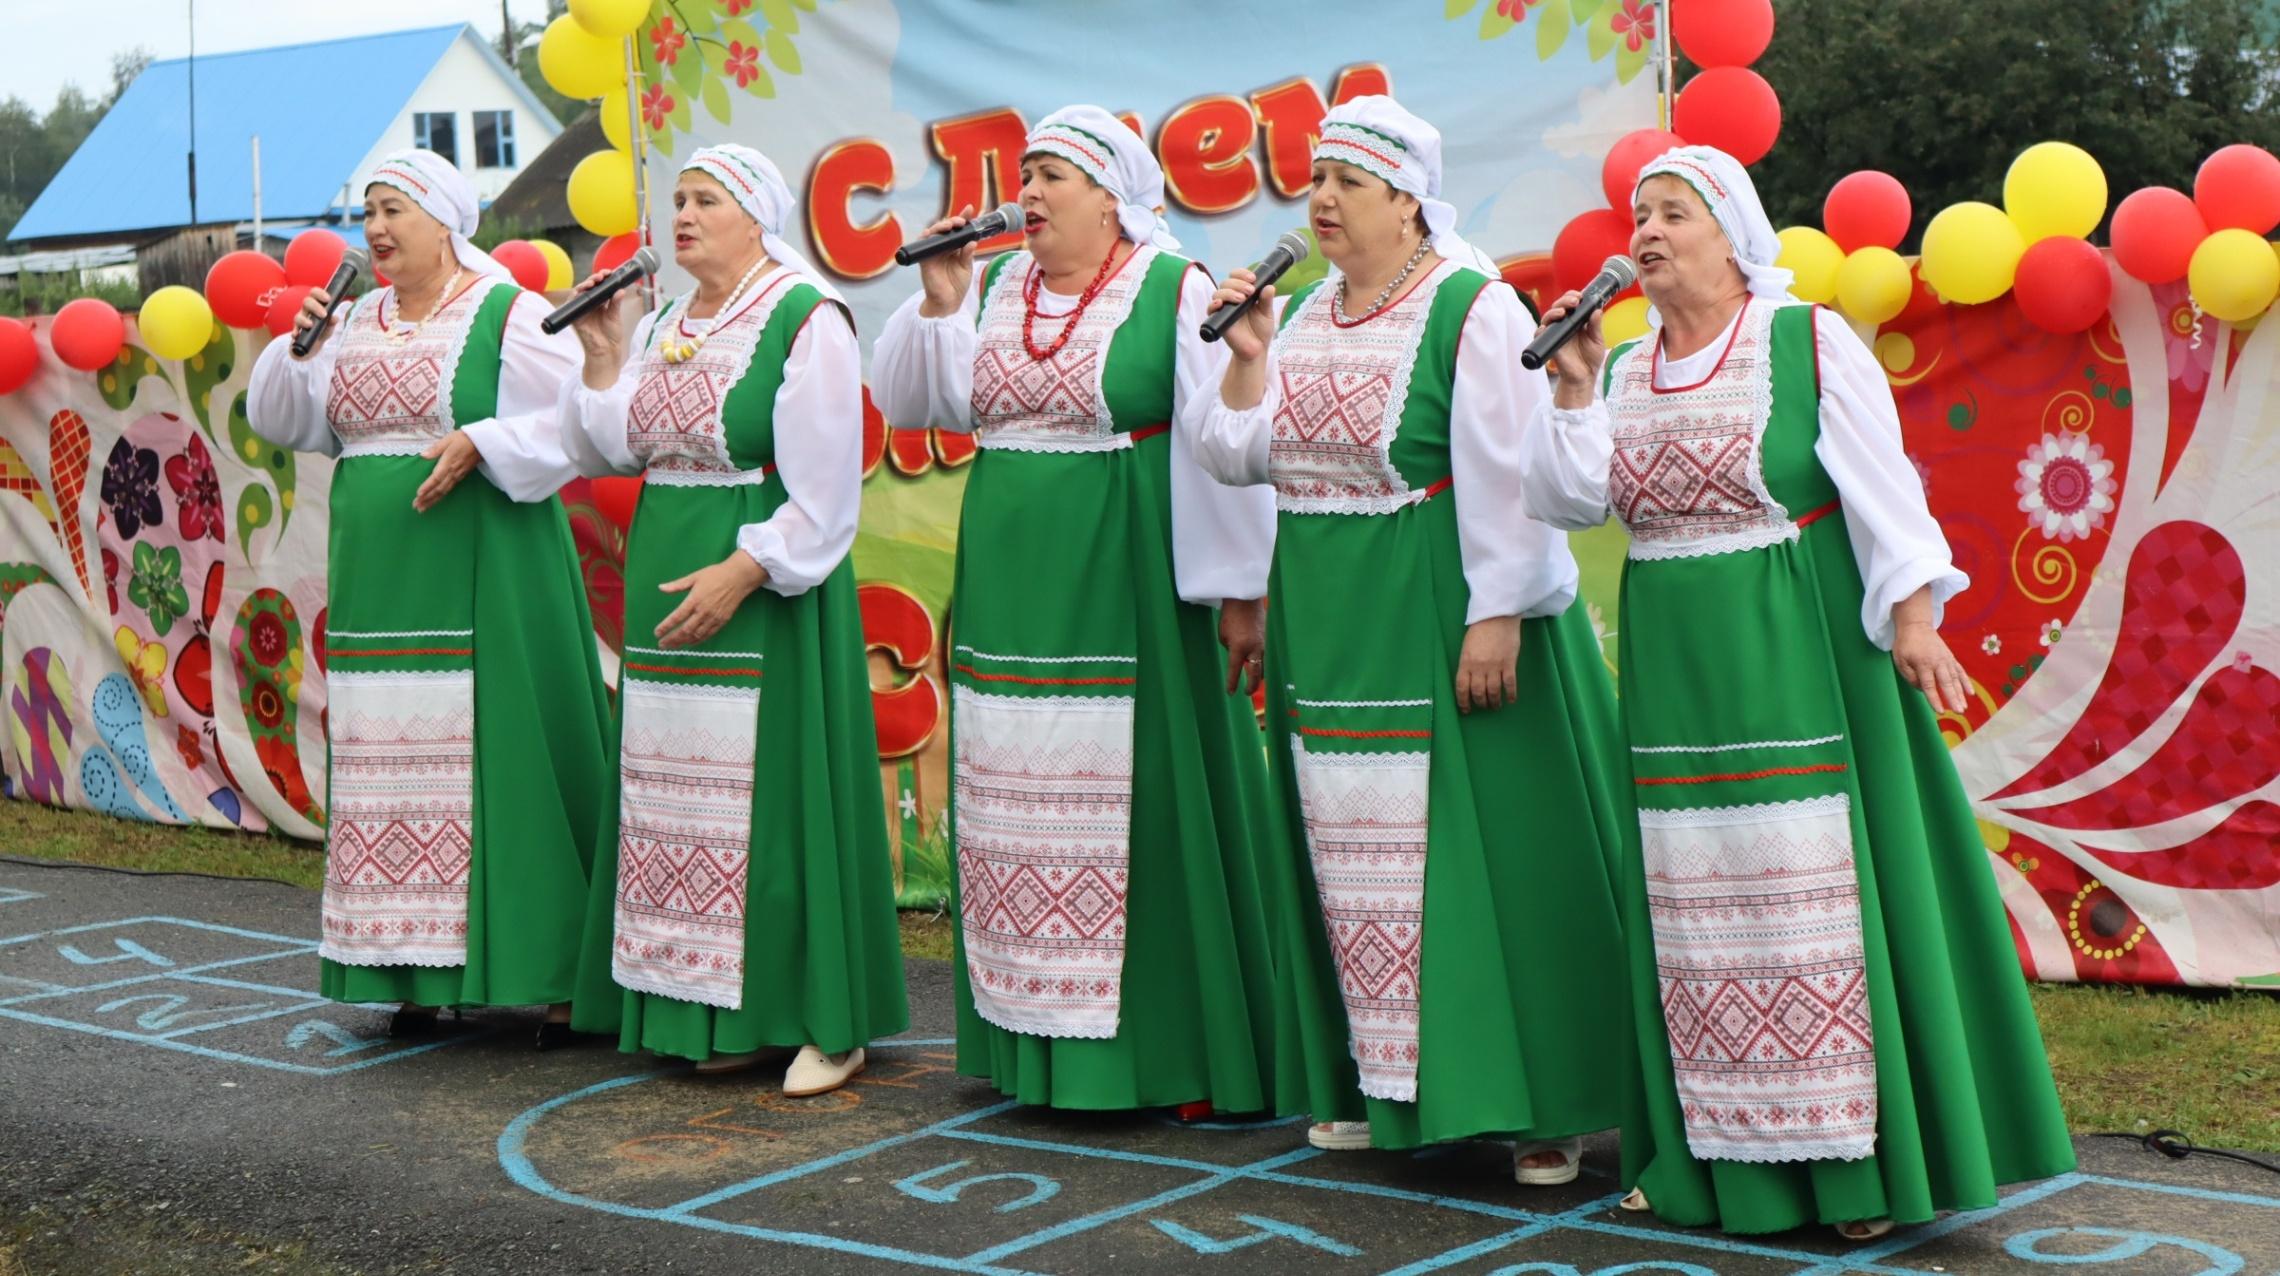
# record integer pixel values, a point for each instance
(1206, 149)
(1291, 115)
(898, 626)
(984, 155)
(848, 250)
(1361, 80)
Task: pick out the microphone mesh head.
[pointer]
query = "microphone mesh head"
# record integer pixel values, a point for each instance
(1295, 244)
(356, 261)
(645, 257)
(1625, 271)
(1009, 215)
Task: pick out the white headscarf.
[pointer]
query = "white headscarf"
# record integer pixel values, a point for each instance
(1379, 135)
(1115, 157)
(760, 191)
(444, 193)
(1723, 184)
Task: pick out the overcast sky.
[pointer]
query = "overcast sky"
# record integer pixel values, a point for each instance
(46, 43)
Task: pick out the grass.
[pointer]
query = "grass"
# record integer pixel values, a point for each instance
(2203, 1061)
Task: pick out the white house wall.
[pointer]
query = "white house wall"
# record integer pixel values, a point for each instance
(465, 80)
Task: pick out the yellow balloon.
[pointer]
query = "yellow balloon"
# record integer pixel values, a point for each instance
(2234, 275)
(1814, 258)
(609, 19)
(601, 194)
(176, 322)
(558, 267)
(2054, 188)
(578, 63)
(616, 123)
(1971, 252)
(1873, 285)
(1623, 321)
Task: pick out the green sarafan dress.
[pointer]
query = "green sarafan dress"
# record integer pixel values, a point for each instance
(744, 896)
(468, 717)
(1449, 963)
(1831, 1020)
(1108, 792)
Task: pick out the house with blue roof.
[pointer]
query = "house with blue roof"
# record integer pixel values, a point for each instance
(323, 113)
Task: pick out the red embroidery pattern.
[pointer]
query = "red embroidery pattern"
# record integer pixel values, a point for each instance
(674, 421)
(1343, 392)
(1044, 802)
(401, 837)
(1055, 403)
(1756, 915)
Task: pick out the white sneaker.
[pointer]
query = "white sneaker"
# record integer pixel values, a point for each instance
(1547, 1175)
(1339, 1136)
(815, 1072)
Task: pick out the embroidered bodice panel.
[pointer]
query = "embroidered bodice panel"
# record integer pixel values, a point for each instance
(391, 383)
(1344, 389)
(1059, 404)
(1687, 476)
(675, 425)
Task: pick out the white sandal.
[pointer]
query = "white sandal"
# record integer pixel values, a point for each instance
(1571, 1163)
(1339, 1136)
(1873, 1229)
(1636, 1202)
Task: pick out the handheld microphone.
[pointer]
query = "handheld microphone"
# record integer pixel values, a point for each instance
(643, 262)
(1619, 273)
(351, 265)
(1288, 251)
(989, 225)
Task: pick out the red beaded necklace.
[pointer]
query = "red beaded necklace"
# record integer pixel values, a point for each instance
(1029, 293)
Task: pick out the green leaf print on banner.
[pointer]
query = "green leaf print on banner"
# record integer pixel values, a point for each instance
(207, 369)
(1600, 38)
(265, 645)
(697, 18)
(1551, 31)
(156, 586)
(781, 52)
(688, 73)
(1581, 10)
(781, 15)
(255, 509)
(738, 31)
(1457, 8)
(1629, 62)
(1496, 21)
(117, 382)
(716, 98)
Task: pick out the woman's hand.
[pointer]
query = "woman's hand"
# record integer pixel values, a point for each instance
(1248, 340)
(1242, 631)
(714, 594)
(946, 276)
(601, 331)
(1923, 658)
(1575, 366)
(455, 456)
(1488, 667)
(313, 308)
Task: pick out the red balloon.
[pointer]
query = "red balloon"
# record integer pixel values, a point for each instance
(240, 287)
(1585, 244)
(1619, 173)
(279, 320)
(87, 333)
(2155, 233)
(1731, 108)
(19, 355)
(522, 260)
(615, 250)
(1867, 209)
(2062, 285)
(1715, 33)
(312, 257)
(2239, 186)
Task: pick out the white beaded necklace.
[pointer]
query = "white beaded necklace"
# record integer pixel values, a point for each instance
(1338, 298)
(404, 331)
(686, 349)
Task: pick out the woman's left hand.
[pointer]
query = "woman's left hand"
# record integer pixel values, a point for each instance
(1488, 668)
(455, 457)
(1923, 658)
(1242, 631)
(714, 594)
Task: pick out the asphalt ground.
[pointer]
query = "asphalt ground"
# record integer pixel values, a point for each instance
(174, 1098)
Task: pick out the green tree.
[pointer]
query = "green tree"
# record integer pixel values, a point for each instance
(1943, 94)
(525, 40)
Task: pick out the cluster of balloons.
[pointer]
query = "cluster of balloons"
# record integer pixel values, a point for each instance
(1727, 106)
(2036, 246)
(582, 56)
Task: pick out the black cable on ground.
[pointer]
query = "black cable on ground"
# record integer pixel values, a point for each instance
(142, 872)
(2177, 1145)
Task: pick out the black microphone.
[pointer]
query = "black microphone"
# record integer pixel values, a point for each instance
(1288, 251)
(643, 262)
(989, 225)
(351, 265)
(1619, 273)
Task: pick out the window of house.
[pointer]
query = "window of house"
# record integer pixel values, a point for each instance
(494, 139)
(433, 131)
